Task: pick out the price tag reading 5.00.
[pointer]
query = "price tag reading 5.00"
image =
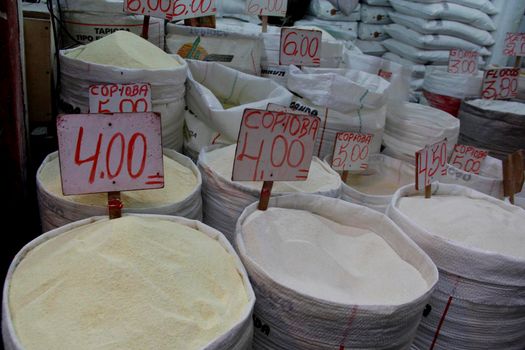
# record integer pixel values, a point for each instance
(274, 146)
(300, 47)
(463, 62)
(500, 83)
(171, 9)
(267, 7)
(468, 158)
(351, 151)
(119, 98)
(110, 152)
(431, 164)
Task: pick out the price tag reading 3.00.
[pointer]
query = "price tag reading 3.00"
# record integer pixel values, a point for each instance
(431, 164)
(463, 62)
(500, 83)
(300, 47)
(119, 98)
(274, 146)
(275, 8)
(351, 151)
(171, 9)
(110, 152)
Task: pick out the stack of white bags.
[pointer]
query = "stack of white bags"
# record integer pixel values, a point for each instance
(372, 27)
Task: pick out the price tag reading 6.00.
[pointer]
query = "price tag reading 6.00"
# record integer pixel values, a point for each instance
(275, 8)
(431, 164)
(171, 9)
(351, 151)
(110, 152)
(274, 146)
(300, 47)
(500, 83)
(120, 98)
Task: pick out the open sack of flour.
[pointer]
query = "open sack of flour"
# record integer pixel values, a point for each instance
(123, 58)
(224, 199)
(328, 274)
(136, 282)
(238, 50)
(346, 100)
(478, 245)
(181, 195)
(218, 95)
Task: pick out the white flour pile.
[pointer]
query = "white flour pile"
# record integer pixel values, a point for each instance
(472, 222)
(323, 259)
(377, 183)
(499, 106)
(319, 178)
(124, 49)
(179, 182)
(129, 283)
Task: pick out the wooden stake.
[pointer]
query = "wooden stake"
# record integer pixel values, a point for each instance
(428, 191)
(513, 177)
(114, 205)
(266, 192)
(145, 28)
(264, 24)
(344, 176)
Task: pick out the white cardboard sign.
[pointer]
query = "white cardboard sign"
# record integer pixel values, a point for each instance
(110, 152)
(351, 151)
(514, 44)
(500, 83)
(267, 7)
(468, 158)
(463, 62)
(171, 9)
(274, 146)
(120, 98)
(300, 47)
(431, 164)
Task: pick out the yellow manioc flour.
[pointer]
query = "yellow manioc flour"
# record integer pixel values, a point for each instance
(179, 182)
(129, 283)
(124, 49)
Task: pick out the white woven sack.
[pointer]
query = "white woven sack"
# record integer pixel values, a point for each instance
(484, 291)
(439, 81)
(418, 56)
(446, 11)
(371, 32)
(297, 321)
(431, 42)
(376, 2)
(323, 9)
(482, 5)
(167, 90)
(340, 30)
(105, 6)
(238, 337)
(210, 82)
(444, 27)
(417, 70)
(374, 48)
(56, 211)
(198, 135)
(410, 127)
(86, 27)
(375, 14)
(224, 199)
(345, 6)
(241, 51)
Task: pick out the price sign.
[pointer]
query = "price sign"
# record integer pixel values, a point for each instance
(171, 9)
(514, 44)
(274, 146)
(463, 62)
(110, 152)
(431, 164)
(300, 47)
(468, 158)
(267, 7)
(119, 98)
(351, 151)
(500, 83)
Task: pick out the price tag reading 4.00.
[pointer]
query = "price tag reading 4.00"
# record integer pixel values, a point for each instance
(351, 151)
(275, 8)
(468, 158)
(110, 152)
(171, 9)
(300, 47)
(514, 44)
(500, 83)
(274, 146)
(119, 98)
(463, 62)
(431, 164)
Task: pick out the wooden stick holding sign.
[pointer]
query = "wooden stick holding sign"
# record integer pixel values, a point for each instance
(351, 151)
(513, 174)
(431, 165)
(265, 8)
(274, 146)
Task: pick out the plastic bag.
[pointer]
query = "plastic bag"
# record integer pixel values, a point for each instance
(372, 32)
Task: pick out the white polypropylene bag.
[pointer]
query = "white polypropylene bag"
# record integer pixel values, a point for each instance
(56, 211)
(323, 9)
(372, 32)
(418, 70)
(416, 55)
(410, 127)
(238, 337)
(376, 2)
(452, 28)
(375, 14)
(374, 48)
(296, 321)
(447, 11)
(431, 42)
(198, 135)
(340, 30)
(482, 5)
(345, 6)
(479, 302)
(211, 82)
(224, 199)
(167, 90)
(238, 50)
